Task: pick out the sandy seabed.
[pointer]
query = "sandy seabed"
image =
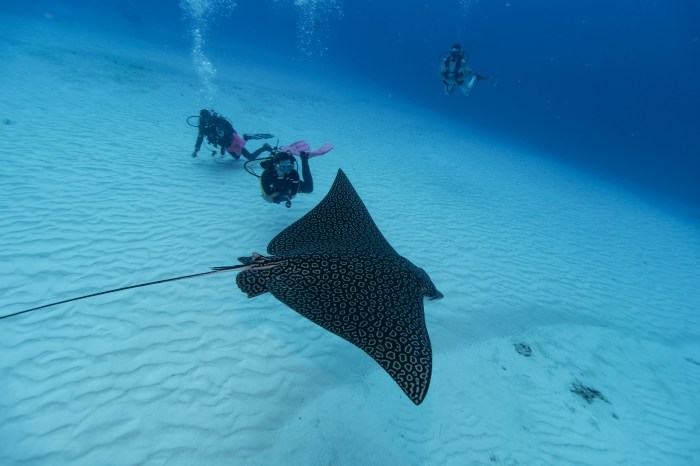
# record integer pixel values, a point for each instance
(98, 190)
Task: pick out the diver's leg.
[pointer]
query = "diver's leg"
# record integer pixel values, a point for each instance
(449, 87)
(246, 153)
(252, 156)
(467, 88)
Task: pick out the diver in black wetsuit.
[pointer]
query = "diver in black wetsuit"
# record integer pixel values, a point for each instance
(220, 133)
(280, 181)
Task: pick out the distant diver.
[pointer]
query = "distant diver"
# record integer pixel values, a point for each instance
(220, 133)
(454, 71)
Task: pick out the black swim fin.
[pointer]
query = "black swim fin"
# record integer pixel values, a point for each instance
(248, 137)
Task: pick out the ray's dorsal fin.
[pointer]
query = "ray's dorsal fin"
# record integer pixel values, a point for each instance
(341, 212)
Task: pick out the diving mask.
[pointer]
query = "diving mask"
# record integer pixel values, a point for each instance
(284, 168)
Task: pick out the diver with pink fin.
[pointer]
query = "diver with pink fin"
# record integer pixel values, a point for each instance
(280, 181)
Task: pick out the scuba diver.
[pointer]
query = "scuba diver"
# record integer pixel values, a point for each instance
(280, 181)
(454, 71)
(220, 133)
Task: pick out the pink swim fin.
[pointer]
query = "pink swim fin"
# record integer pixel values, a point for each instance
(324, 149)
(297, 147)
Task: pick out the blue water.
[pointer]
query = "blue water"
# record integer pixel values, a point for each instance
(608, 86)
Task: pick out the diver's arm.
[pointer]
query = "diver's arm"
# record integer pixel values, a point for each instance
(198, 144)
(307, 184)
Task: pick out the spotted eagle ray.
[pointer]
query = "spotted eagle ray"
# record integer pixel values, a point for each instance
(334, 267)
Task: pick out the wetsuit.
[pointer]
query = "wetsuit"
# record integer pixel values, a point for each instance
(218, 131)
(454, 70)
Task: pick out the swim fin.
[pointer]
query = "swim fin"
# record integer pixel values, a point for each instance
(298, 147)
(324, 149)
